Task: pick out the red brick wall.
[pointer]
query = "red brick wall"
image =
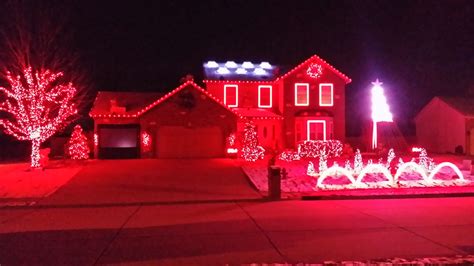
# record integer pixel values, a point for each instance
(248, 93)
(289, 108)
(172, 112)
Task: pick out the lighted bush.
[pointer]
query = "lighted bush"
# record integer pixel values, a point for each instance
(315, 148)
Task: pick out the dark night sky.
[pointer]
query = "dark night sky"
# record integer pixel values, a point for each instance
(419, 49)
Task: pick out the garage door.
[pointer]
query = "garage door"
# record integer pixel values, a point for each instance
(182, 142)
(118, 141)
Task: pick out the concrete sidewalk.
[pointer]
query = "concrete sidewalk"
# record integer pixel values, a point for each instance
(236, 233)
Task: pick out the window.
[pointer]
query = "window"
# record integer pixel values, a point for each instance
(316, 130)
(301, 94)
(231, 95)
(264, 96)
(326, 97)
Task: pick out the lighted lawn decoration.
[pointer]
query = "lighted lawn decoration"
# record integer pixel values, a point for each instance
(231, 147)
(38, 106)
(146, 141)
(380, 109)
(78, 148)
(425, 168)
(251, 151)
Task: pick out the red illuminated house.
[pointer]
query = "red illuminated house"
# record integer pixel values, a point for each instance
(306, 102)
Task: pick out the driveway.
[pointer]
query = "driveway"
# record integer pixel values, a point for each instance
(104, 182)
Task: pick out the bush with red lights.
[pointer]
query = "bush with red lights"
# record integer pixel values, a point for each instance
(314, 148)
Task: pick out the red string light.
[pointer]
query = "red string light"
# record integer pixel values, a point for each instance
(78, 148)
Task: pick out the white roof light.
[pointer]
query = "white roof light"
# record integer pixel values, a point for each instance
(212, 64)
(265, 65)
(223, 70)
(241, 71)
(231, 64)
(259, 72)
(247, 64)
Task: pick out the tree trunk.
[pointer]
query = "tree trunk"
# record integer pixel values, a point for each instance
(35, 154)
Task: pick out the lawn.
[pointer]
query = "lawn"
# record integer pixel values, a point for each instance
(18, 181)
(296, 180)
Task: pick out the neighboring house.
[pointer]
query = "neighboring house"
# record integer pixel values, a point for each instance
(307, 102)
(445, 123)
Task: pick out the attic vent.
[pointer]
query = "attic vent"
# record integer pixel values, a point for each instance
(116, 108)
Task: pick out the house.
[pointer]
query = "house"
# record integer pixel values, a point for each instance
(446, 123)
(305, 103)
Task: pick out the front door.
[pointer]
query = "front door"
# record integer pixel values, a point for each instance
(316, 130)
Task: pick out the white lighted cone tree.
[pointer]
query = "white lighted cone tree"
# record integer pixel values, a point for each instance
(380, 109)
(251, 151)
(78, 147)
(38, 106)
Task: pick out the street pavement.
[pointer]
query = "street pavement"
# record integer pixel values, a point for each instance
(204, 212)
(241, 232)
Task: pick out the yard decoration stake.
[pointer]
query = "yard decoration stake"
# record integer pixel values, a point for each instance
(380, 109)
(38, 106)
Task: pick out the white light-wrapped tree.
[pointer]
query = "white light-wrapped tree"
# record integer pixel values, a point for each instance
(38, 105)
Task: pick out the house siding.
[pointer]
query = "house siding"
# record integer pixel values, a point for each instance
(440, 128)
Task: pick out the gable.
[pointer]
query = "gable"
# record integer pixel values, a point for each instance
(127, 103)
(436, 105)
(184, 95)
(314, 62)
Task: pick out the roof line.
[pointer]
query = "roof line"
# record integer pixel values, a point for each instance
(173, 92)
(339, 73)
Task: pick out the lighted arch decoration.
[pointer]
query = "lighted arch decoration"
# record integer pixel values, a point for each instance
(333, 170)
(402, 169)
(446, 164)
(391, 180)
(379, 169)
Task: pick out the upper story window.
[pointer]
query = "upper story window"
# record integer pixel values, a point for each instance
(301, 94)
(265, 96)
(326, 94)
(231, 95)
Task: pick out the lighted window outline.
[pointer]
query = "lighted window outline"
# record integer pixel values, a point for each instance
(321, 94)
(260, 87)
(236, 95)
(308, 128)
(296, 94)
